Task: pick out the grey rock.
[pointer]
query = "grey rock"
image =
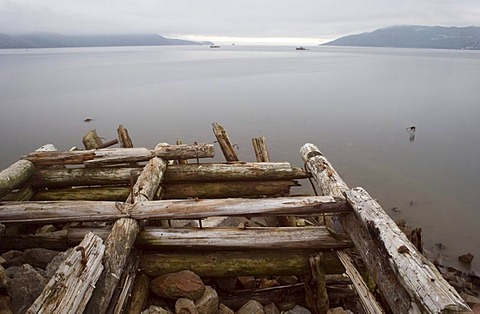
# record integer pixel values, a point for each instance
(226, 283)
(3, 278)
(223, 309)
(25, 286)
(11, 271)
(52, 267)
(5, 305)
(156, 310)
(208, 303)
(271, 309)
(248, 282)
(251, 307)
(297, 309)
(338, 310)
(13, 258)
(46, 229)
(287, 280)
(38, 257)
(185, 306)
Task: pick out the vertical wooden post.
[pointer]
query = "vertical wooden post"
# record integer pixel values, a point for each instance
(181, 161)
(224, 142)
(260, 148)
(315, 289)
(91, 140)
(139, 294)
(125, 140)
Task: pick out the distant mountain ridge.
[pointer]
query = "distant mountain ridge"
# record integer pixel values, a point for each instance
(415, 36)
(52, 40)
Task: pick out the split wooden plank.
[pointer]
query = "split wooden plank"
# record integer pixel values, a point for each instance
(64, 211)
(315, 288)
(399, 298)
(267, 238)
(121, 155)
(260, 149)
(225, 143)
(17, 174)
(71, 286)
(235, 263)
(419, 276)
(370, 307)
(204, 172)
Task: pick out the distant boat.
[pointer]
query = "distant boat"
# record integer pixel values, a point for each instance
(214, 46)
(301, 48)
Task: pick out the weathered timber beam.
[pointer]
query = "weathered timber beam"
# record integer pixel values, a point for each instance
(228, 189)
(53, 241)
(108, 194)
(418, 275)
(260, 149)
(121, 155)
(265, 238)
(121, 239)
(399, 297)
(124, 137)
(205, 172)
(17, 174)
(268, 238)
(139, 297)
(70, 288)
(64, 211)
(316, 296)
(235, 263)
(224, 142)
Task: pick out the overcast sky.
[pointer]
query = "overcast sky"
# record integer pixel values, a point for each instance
(299, 21)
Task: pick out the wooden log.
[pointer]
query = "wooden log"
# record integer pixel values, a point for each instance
(17, 174)
(110, 193)
(268, 238)
(260, 149)
(53, 241)
(235, 263)
(64, 211)
(399, 298)
(224, 142)
(149, 181)
(69, 290)
(24, 194)
(420, 278)
(315, 289)
(118, 245)
(109, 143)
(369, 304)
(139, 297)
(121, 155)
(119, 301)
(228, 189)
(125, 140)
(205, 172)
(91, 140)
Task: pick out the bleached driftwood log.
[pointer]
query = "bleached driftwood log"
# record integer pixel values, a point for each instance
(64, 211)
(400, 298)
(204, 172)
(17, 174)
(121, 155)
(121, 239)
(70, 288)
(419, 276)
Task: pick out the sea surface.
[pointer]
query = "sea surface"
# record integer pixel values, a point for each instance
(353, 103)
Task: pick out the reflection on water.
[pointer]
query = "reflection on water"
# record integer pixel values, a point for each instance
(354, 103)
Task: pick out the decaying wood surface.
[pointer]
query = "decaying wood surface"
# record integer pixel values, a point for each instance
(418, 275)
(399, 298)
(369, 304)
(125, 140)
(118, 245)
(316, 295)
(204, 172)
(181, 161)
(228, 189)
(108, 194)
(260, 149)
(121, 155)
(121, 295)
(17, 174)
(148, 181)
(235, 263)
(268, 238)
(70, 288)
(139, 297)
(224, 142)
(65, 211)
(91, 140)
(24, 194)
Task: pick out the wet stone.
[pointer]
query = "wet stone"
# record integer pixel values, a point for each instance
(271, 309)
(185, 306)
(25, 286)
(251, 307)
(298, 310)
(184, 284)
(223, 309)
(208, 303)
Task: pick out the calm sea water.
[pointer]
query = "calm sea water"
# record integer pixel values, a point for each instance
(354, 103)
